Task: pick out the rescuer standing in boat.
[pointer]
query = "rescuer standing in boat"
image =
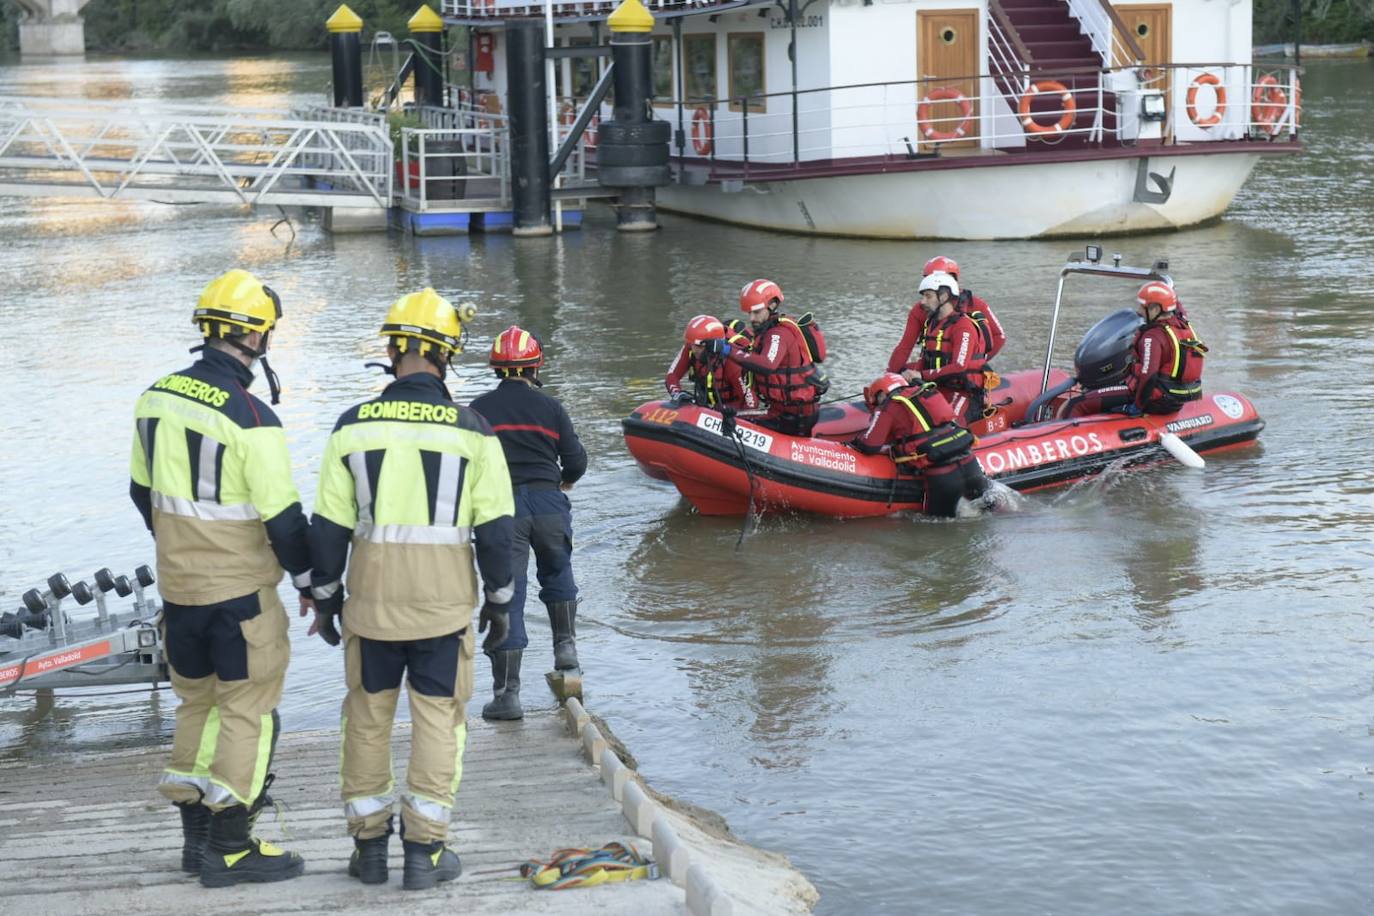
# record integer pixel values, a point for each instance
(545, 458)
(917, 426)
(990, 329)
(212, 479)
(781, 360)
(418, 487)
(953, 352)
(716, 381)
(1167, 371)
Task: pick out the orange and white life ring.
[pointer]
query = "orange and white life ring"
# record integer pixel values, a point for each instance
(1267, 102)
(589, 135)
(943, 94)
(1048, 87)
(702, 141)
(567, 114)
(1218, 107)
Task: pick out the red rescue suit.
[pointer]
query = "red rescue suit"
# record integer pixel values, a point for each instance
(716, 382)
(919, 428)
(953, 355)
(1166, 373)
(994, 337)
(781, 365)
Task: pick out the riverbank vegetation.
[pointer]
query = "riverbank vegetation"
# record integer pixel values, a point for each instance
(173, 26)
(1323, 21)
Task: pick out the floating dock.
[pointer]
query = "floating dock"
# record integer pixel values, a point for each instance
(90, 835)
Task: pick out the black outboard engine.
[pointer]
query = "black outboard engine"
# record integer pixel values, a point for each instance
(1107, 350)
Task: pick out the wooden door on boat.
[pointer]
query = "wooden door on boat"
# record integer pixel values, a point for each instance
(1151, 25)
(947, 55)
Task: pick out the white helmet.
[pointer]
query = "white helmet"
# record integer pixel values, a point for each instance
(938, 280)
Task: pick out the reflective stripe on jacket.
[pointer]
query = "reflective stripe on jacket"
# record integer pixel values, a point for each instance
(210, 472)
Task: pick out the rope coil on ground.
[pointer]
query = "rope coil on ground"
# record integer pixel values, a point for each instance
(575, 867)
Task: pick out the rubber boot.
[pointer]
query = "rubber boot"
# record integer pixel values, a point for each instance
(566, 678)
(368, 862)
(232, 856)
(195, 832)
(505, 683)
(427, 864)
(563, 619)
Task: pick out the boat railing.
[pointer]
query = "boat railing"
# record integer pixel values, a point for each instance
(1063, 108)
(1114, 44)
(1009, 60)
(453, 168)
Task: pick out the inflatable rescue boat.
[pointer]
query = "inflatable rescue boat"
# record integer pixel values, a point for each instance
(728, 465)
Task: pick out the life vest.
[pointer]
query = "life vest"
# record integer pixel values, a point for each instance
(1179, 379)
(937, 349)
(789, 386)
(712, 387)
(991, 346)
(814, 340)
(938, 439)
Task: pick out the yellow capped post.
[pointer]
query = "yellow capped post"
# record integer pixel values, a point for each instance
(425, 20)
(631, 16)
(344, 20)
(346, 54)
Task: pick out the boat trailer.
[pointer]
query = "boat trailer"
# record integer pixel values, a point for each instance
(42, 647)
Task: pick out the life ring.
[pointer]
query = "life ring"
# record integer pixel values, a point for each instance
(1046, 88)
(566, 114)
(943, 94)
(1267, 102)
(589, 135)
(702, 141)
(1218, 108)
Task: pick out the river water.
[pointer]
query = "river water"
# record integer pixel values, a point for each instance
(1149, 693)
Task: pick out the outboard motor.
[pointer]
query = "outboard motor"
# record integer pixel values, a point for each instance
(1107, 350)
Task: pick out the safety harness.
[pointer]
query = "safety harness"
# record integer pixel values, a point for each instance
(934, 357)
(792, 379)
(589, 867)
(936, 443)
(1181, 382)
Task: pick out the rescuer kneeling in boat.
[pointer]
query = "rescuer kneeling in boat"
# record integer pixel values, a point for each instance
(990, 329)
(212, 480)
(1167, 370)
(417, 486)
(781, 359)
(716, 382)
(954, 353)
(917, 426)
(545, 458)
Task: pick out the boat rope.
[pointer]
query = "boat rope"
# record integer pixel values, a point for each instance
(589, 867)
(727, 428)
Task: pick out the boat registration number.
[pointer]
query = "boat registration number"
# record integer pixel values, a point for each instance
(751, 437)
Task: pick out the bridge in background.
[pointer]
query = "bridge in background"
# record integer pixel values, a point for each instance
(49, 27)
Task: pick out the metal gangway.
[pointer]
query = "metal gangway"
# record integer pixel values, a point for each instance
(150, 150)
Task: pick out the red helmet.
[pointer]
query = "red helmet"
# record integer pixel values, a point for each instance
(515, 348)
(703, 327)
(886, 383)
(1159, 293)
(758, 294)
(941, 263)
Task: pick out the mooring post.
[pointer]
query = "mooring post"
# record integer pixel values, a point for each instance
(639, 171)
(345, 48)
(529, 128)
(428, 30)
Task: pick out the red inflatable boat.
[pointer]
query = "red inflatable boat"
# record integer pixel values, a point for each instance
(755, 467)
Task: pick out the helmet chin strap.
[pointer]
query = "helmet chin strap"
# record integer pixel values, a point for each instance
(259, 355)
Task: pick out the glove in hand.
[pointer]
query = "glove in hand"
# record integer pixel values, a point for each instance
(716, 347)
(326, 624)
(682, 397)
(495, 617)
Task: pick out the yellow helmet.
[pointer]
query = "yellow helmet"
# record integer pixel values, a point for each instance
(234, 303)
(429, 318)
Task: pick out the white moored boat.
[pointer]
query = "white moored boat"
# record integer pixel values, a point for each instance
(926, 119)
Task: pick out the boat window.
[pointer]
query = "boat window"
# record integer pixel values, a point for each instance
(746, 71)
(663, 69)
(699, 52)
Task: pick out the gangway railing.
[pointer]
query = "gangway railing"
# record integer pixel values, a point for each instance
(153, 151)
(460, 161)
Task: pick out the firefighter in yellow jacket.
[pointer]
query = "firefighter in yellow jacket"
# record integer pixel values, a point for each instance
(417, 486)
(211, 477)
